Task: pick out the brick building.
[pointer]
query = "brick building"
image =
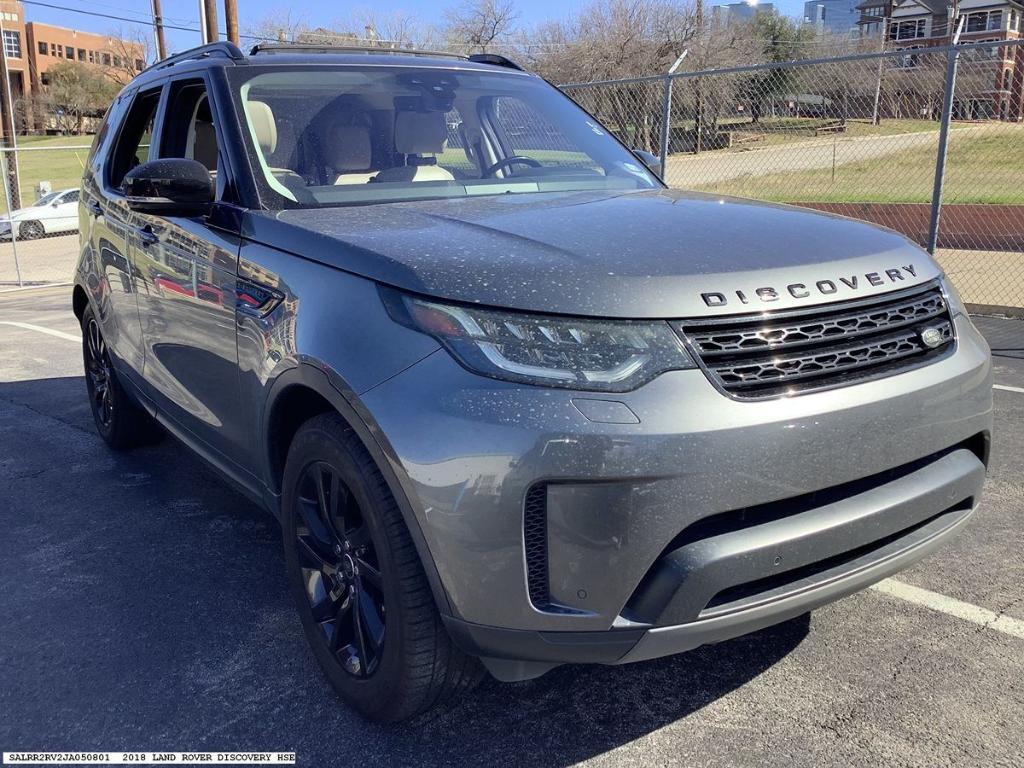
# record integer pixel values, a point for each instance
(916, 25)
(33, 48)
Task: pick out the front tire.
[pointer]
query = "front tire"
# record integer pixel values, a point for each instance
(121, 423)
(361, 591)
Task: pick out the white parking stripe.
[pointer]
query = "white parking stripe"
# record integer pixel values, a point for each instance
(952, 607)
(1008, 389)
(40, 329)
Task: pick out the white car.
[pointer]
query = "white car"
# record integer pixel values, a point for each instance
(55, 212)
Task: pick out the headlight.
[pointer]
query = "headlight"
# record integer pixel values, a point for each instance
(597, 355)
(953, 299)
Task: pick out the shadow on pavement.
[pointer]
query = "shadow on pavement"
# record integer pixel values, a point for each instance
(146, 608)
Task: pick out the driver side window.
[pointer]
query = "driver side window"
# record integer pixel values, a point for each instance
(527, 132)
(189, 131)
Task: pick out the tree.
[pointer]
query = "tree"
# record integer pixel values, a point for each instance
(782, 39)
(75, 91)
(130, 51)
(476, 25)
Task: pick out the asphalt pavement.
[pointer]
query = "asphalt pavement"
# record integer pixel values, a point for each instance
(144, 607)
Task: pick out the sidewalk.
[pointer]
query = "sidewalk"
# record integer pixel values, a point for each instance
(47, 260)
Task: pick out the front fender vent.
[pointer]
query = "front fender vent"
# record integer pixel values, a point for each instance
(535, 539)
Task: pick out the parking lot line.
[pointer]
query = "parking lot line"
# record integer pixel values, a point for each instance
(41, 329)
(1008, 389)
(952, 607)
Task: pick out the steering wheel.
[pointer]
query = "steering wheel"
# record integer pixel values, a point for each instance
(505, 162)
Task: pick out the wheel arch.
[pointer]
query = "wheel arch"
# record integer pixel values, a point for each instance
(79, 301)
(306, 391)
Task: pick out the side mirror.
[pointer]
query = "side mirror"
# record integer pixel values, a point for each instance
(171, 187)
(650, 160)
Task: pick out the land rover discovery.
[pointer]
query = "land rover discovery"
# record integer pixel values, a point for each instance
(514, 402)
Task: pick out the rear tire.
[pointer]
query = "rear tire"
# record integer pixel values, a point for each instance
(31, 230)
(359, 585)
(120, 421)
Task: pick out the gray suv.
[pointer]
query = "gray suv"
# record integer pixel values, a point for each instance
(514, 402)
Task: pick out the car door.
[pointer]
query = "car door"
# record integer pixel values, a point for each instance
(187, 267)
(108, 225)
(65, 213)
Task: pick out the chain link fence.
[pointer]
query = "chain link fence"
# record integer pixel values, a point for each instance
(39, 241)
(926, 141)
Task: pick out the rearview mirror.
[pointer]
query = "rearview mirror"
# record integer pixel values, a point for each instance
(171, 187)
(650, 160)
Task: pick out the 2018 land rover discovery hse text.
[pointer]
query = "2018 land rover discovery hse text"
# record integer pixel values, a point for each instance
(514, 402)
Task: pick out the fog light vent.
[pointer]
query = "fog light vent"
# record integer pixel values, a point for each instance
(535, 537)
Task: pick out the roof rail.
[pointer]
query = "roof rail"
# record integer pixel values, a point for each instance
(310, 48)
(495, 59)
(220, 48)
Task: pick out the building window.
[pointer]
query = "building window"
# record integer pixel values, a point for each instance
(907, 30)
(45, 78)
(44, 49)
(12, 44)
(117, 61)
(140, 64)
(8, 16)
(92, 57)
(81, 54)
(69, 52)
(106, 59)
(983, 21)
(56, 50)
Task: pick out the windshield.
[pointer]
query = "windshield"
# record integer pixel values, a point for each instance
(328, 136)
(46, 199)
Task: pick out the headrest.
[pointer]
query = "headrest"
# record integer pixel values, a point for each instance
(264, 125)
(349, 148)
(419, 132)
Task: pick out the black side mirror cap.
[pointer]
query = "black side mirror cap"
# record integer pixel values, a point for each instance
(173, 186)
(650, 160)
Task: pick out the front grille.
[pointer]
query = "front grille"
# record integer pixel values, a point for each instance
(795, 351)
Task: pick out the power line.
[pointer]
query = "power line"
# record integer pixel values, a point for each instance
(106, 15)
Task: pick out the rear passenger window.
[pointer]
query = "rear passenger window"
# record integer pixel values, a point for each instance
(132, 147)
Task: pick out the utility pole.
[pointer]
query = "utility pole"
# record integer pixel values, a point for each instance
(203, 37)
(231, 20)
(10, 137)
(212, 28)
(158, 29)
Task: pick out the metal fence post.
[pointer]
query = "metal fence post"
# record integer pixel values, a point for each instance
(4, 162)
(952, 62)
(666, 126)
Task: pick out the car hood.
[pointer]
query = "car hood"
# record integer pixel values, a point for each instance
(652, 254)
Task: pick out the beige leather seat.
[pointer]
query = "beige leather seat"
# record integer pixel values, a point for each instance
(350, 154)
(418, 134)
(264, 126)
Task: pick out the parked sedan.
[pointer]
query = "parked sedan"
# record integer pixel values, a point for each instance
(52, 213)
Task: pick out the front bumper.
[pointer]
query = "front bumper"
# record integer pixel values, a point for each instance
(692, 518)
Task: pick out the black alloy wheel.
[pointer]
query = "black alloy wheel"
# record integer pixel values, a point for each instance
(340, 570)
(99, 375)
(363, 597)
(121, 422)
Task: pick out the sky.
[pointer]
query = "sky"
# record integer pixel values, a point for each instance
(185, 13)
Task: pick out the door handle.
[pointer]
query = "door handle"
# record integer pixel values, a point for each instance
(148, 237)
(94, 208)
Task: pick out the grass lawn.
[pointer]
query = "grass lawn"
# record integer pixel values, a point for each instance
(62, 168)
(980, 169)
